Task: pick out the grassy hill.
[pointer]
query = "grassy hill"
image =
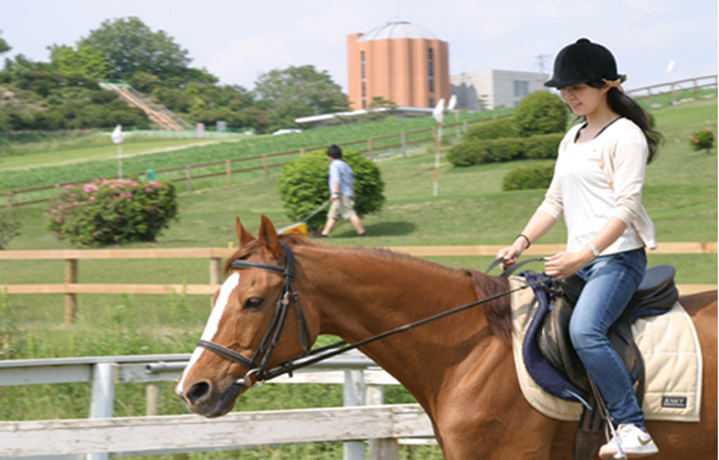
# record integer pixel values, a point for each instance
(38, 168)
(680, 194)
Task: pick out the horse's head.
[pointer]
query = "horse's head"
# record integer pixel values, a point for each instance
(246, 323)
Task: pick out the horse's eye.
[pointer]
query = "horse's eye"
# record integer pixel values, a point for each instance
(254, 302)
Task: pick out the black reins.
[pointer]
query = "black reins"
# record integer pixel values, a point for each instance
(309, 357)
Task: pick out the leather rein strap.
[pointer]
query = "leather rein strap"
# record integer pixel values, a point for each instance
(508, 272)
(270, 340)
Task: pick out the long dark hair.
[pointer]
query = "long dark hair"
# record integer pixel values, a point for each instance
(623, 105)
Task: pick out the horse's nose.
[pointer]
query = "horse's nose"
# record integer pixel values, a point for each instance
(198, 392)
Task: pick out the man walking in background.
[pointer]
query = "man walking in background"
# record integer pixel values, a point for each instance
(342, 193)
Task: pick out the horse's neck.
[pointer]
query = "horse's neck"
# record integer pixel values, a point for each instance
(362, 293)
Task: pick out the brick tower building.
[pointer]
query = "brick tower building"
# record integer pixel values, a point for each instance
(400, 62)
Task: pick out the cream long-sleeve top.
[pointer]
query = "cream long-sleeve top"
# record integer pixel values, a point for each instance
(598, 179)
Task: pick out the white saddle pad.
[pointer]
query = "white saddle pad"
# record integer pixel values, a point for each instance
(672, 356)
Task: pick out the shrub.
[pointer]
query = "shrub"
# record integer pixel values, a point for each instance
(528, 177)
(501, 150)
(113, 211)
(542, 146)
(702, 140)
(9, 228)
(468, 153)
(474, 152)
(540, 113)
(494, 129)
(304, 188)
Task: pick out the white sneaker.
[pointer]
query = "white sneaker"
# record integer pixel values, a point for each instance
(634, 441)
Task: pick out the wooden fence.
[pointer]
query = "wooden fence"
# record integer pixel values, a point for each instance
(264, 163)
(102, 436)
(691, 85)
(70, 288)
(180, 433)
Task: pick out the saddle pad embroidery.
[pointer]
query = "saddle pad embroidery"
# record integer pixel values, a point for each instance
(672, 354)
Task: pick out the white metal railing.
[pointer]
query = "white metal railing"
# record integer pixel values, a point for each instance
(363, 385)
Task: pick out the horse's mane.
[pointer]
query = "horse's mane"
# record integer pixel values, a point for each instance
(498, 312)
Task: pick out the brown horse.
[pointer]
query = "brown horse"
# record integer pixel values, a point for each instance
(460, 368)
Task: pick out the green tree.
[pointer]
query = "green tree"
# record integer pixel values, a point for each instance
(4, 47)
(130, 46)
(297, 92)
(86, 60)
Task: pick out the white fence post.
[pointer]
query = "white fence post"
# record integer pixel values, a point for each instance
(103, 397)
(383, 448)
(354, 390)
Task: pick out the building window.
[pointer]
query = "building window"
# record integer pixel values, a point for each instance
(364, 80)
(431, 102)
(521, 88)
(430, 63)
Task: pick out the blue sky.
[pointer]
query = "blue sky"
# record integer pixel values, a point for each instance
(237, 40)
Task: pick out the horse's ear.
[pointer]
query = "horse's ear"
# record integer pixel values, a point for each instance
(243, 236)
(268, 236)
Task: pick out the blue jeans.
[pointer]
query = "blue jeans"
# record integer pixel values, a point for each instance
(611, 282)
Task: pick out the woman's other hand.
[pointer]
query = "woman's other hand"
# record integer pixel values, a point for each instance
(566, 264)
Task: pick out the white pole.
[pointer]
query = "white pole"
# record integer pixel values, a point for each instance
(119, 161)
(354, 395)
(437, 149)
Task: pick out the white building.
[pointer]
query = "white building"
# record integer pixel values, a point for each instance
(497, 88)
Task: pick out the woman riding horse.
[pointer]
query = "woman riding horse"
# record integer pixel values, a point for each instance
(597, 185)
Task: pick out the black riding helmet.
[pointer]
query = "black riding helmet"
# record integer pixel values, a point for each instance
(583, 62)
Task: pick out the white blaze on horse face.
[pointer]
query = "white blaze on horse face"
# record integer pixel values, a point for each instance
(213, 324)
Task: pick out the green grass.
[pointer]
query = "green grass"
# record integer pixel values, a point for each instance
(680, 194)
(73, 155)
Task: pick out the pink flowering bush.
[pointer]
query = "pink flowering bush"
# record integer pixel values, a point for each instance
(702, 140)
(112, 211)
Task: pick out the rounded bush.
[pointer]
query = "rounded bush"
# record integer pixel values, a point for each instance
(542, 146)
(112, 211)
(304, 187)
(501, 150)
(475, 152)
(493, 129)
(540, 112)
(702, 140)
(529, 177)
(468, 153)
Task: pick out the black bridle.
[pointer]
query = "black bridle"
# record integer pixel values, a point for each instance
(271, 338)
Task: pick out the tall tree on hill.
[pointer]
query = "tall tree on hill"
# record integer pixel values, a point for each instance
(297, 92)
(131, 47)
(4, 47)
(86, 60)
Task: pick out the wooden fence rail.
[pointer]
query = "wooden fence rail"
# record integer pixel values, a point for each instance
(180, 433)
(673, 88)
(362, 381)
(71, 287)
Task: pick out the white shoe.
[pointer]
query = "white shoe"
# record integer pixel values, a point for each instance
(633, 440)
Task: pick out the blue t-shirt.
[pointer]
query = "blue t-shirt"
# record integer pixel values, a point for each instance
(341, 172)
